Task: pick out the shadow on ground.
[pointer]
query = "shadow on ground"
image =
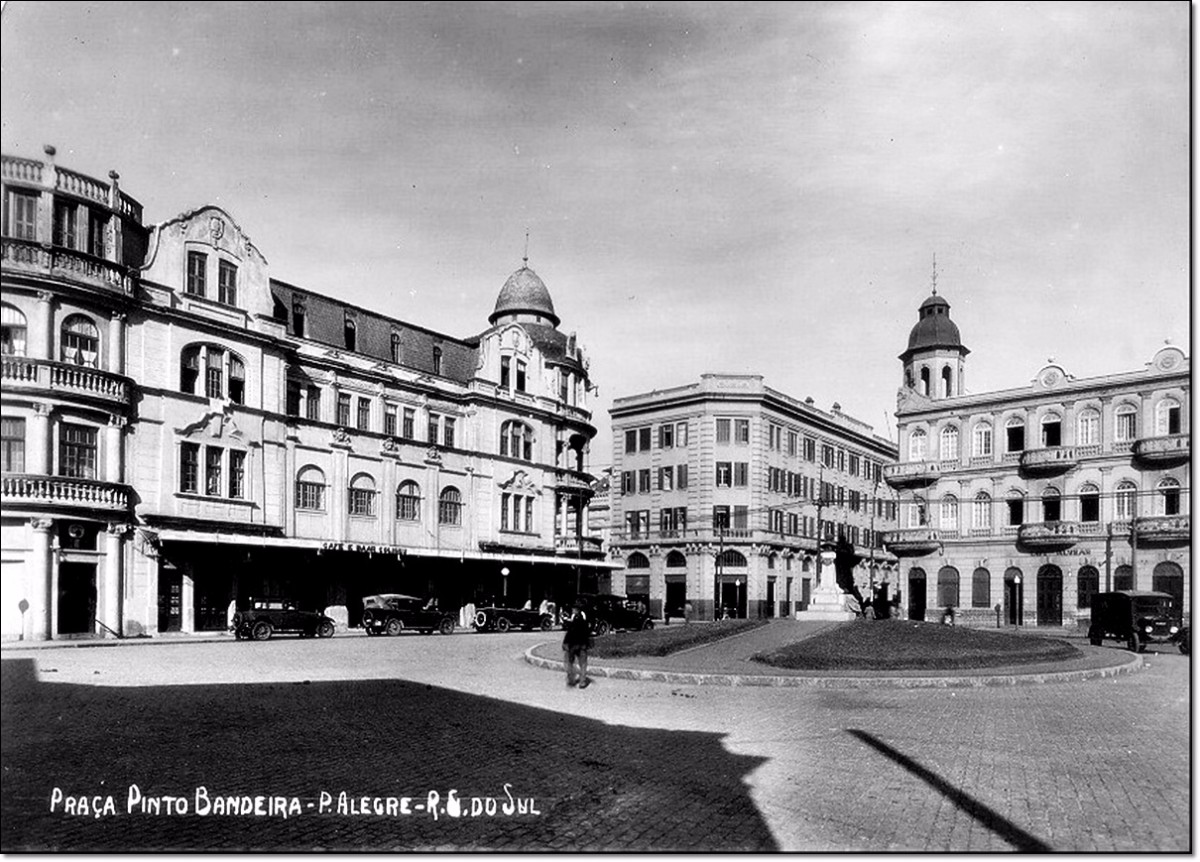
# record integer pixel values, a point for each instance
(594, 786)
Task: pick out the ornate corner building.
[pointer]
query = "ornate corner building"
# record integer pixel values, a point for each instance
(181, 430)
(1017, 506)
(723, 490)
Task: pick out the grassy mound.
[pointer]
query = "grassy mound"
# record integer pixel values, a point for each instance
(660, 642)
(905, 645)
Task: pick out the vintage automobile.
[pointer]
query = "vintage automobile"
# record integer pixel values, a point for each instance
(608, 613)
(1183, 639)
(501, 619)
(1137, 617)
(263, 617)
(391, 613)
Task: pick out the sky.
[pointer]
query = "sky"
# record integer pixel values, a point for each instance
(707, 187)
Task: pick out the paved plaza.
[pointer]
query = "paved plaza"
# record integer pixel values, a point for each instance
(424, 742)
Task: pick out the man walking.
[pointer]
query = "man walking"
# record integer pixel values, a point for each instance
(576, 641)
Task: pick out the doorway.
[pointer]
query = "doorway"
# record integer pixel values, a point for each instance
(76, 598)
(770, 609)
(1049, 596)
(170, 599)
(916, 594)
(1014, 597)
(676, 600)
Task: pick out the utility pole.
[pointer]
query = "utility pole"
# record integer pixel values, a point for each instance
(820, 525)
(717, 575)
(1108, 560)
(1133, 542)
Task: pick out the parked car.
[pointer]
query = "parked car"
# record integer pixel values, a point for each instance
(261, 618)
(608, 613)
(391, 613)
(501, 619)
(1183, 639)
(1137, 617)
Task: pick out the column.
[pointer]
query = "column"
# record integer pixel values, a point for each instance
(113, 436)
(114, 550)
(38, 451)
(38, 619)
(116, 343)
(187, 602)
(41, 336)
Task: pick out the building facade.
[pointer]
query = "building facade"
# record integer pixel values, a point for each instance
(1017, 506)
(724, 490)
(181, 431)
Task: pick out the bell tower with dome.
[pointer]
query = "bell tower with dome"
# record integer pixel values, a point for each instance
(935, 358)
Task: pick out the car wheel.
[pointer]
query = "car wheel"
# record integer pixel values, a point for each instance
(447, 626)
(393, 627)
(603, 628)
(503, 625)
(647, 625)
(481, 620)
(1095, 636)
(325, 629)
(261, 631)
(1134, 644)
(1185, 645)
(547, 623)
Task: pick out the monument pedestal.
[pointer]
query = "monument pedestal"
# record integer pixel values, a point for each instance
(828, 602)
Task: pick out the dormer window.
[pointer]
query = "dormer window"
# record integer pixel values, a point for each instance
(437, 360)
(351, 334)
(197, 273)
(298, 316)
(396, 347)
(227, 283)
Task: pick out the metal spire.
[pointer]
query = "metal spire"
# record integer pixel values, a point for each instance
(525, 259)
(935, 273)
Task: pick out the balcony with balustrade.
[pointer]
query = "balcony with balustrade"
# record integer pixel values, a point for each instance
(1163, 451)
(62, 379)
(27, 491)
(1164, 529)
(1049, 460)
(912, 474)
(574, 483)
(1048, 535)
(912, 543)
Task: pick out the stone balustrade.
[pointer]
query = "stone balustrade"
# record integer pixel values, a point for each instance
(21, 489)
(911, 473)
(20, 372)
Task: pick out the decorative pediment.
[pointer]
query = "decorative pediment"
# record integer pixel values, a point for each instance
(520, 481)
(1051, 377)
(909, 399)
(214, 425)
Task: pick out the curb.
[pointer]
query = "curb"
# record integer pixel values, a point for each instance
(842, 682)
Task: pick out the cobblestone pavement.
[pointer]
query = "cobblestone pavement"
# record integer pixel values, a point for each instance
(1097, 765)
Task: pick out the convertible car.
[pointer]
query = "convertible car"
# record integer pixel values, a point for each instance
(493, 618)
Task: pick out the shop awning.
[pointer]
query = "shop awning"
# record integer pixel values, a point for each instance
(218, 538)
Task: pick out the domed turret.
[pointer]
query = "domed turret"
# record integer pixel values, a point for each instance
(524, 299)
(933, 362)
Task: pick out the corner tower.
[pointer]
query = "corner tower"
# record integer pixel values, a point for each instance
(935, 358)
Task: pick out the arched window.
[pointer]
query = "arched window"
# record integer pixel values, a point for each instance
(918, 512)
(12, 331)
(1168, 578)
(362, 496)
(1087, 585)
(80, 341)
(731, 560)
(396, 347)
(981, 588)
(1087, 430)
(1089, 504)
(1167, 417)
(1167, 499)
(450, 506)
(1016, 508)
(949, 443)
(981, 511)
(949, 513)
(1051, 430)
(947, 385)
(1123, 577)
(925, 389)
(1126, 501)
(408, 501)
(637, 560)
(981, 441)
(350, 333)
(224, 372)
(310, 489)
(516, 440)
(676, 560)
(917, 445)
(1051, 505)
(437, 360)
(1014, 434)
(947, 587)
(1125, 428)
